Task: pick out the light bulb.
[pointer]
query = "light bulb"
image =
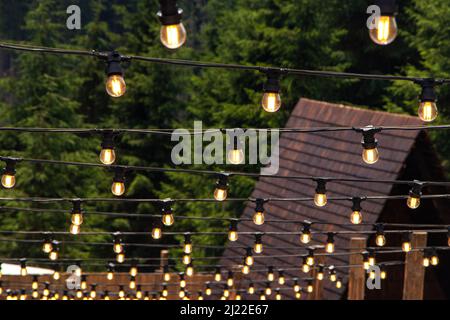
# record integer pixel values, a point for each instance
(190, 271)
(270, 275)
(268, 291)
(297, 287)
(220, 194)
(258, 218)
(413, 202)
(53, 255)
(329, 247)
(35, 284)
(310, 288)
(173, 36)
(338, 284)
(251, 289)
(167, 276)
(187, 248)
(320, 275)
(281, 280)
(74, 229)
(370, 156)
(186, 259)
(306, 268)
(118, 247)
(249, 260)
(298, 295)
(118, 188)
(333, 277)
(434, 260)
(356, 217)
(236, 156)
(110, 276)
(120, 258)
(116, 86)
(233, 235)
(218, 276)
(310, 260)
(426, 262)
(237, 297)
(271, 101)
(383, 274)
(406, 246)
(258, 247)
(320, 199)
(305, 238)
(133, 271)
(107, 156)
(245, 269)
(208, 291)
(380, 240)
(47, 247)
(156, 233)
(167, 219)
(428, 111)
(77, 219)
(385, 31)
(8, 181)
(132, 284)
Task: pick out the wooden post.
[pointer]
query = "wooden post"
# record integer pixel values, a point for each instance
(413, 282)
(356, 279)
(163, 260)
(318, 284)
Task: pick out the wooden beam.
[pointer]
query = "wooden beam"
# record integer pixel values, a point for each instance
(357, 278)
(164, 259)
(414, 277)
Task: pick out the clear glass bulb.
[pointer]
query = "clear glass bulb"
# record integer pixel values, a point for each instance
(47, 247)
(249, 260)
(258, 248)
(132, 285)
(251, 290)
(156, 233)
(166, 276)
(306, 268)
(74, 229)
(434, 260)
(270, 276)
(413, 202)
(305, 238)
(338, 284)
(385, 31)
(245, 269)
(329, 247)
(370, 156)
(426, 262)
(383, 275)
(110, 276)
(310, 288)
(406, 246)
(77, 219)
(118, 248)
(120, 258)
(118, 188)
(53, 255)
(232, 236)
(427, 111)
(298, 295)
(320, 199)
(8, 181)
(173, 36)
(133, 271)
(218, 277)
(281, 280)
(189, 271)
(107, 156)
(310, 261)
(23, 271)
(268, 291)
(236, 156)
(258, 218)
(271, 101)
(320, 276)
(380, 240)
(167, 219)
(220, 194)
(208, 291)
(187, 248)
(116, 86)
(187, 259)
(356, 217)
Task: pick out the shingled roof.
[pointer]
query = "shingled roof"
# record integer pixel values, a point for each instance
(324, 154)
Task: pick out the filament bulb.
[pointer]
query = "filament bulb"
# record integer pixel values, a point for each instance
(156, 233)
(245, 269)
(167, 219)
(118, 188)
(220, 194)
(77, 219)
(120, 258)
(329, 247)
(74, 229)
(370, 156)
(173, 36)
(320, 199)
(413, 202)
(233, 235)
(236, 156)
(356, 217)
(258, 218)
(271, 101)
(107, 156)
(380, 240)
(110, 276)
(115, 86)
(258, 247)
(406, 246)
(428, 111)
(8, 181)
(385, 31)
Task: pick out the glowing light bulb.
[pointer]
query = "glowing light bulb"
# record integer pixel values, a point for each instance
(118, 188)
(186, 259)
(107, 156)
(232, 233)
(190, 270)
(236, 156)
(77, 219)
(53, 255)
(251, 288)
(413, 202)
(156, 232)
(434, 260)
(270, 274)
(428, 111)
(110, 276)
(249, 260)
(167, 219)
(133, 271)
(406, 246)
(120, 258)
(218, 275)
(329, 247)
(245, 269)
(116, 86)
(370, 156)
(47, 247)
(298, 295)
(258, 247)
(380, 240)
(74, 229)
(356, 217)
(258, 218)
(338, 284)
(187, 248)
(220, 194)
(385, 31)
(271, 101)
(56, 275)
(173, 36)
(8, 181)
(306, 268)
(320, 199)
(221, 191)
(118, 247)
(426, 262)
(208, 291)
(310, 288)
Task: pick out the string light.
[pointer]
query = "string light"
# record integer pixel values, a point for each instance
(238, 296)
(53, 255)
(133, 268)
(107, 153)
(305, 266)
(434, 260)
(262, 296)
(383, 273)
(186, 259)
(320, 197)
(221, 191)
(164, 291)
(415, 193)
(166, 273)
(270, 274)
(132, 284)
(406, 242)
(83, 284)
(370, 153)
(356, 216)
(121, 292)
(173, 33)
(187, 244)
(56, 274)
(190, 269)
(138, 292)
(200, 295)
(236, 154)
(167, 214)
(110, 268)
(271, 100)
(156, 230)
(268, 290)
(46, 291)
(281, 278)
(9, 174)
(385, 29)
(298, 295)
(218, 275)
(117, 245)
(208, 290)
(115, 84)
(333, 275)
(23, 267)
(426, 258)
(258, 216)
(310, 287)
(306, 233)
(278, 294)
(23, 295)
(251, 288)
(118, 185)
(76, 217)
(93, 293)
(182, 280)
(329, 247)
(310, 257)
(320, 274)
(380, 237)
(47, 244)
(427, 108)
(338, 283)
(120, 257)
(230, 280)
(35, 283)
(245, 268)
(258, 246)
(232, 233)
(297, 287)
(249, 257)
